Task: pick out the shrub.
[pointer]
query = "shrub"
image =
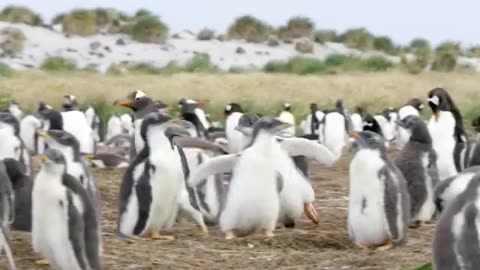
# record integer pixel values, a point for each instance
(5, 70)
(113, 20)
(143, 13)
(250, 29)
(276, 66)
(149, 29)
(206, 34)
(20, 14)
(473, 51)
(322, 36)
(92, 68)
(200, 63)
(297, 65)
(419, 45)
(12, 41)
(144, 68)
(115, 69)
(376, 63)
(299, 27)
(446, 55)
(304, 46)
(79, 22)
(384, 44)
(358, 38)
(171, 68)
(57, 63)
(337, 60)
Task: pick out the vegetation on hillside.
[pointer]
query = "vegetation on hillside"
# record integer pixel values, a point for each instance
(148, 28)
(250, 29)
(20, 14)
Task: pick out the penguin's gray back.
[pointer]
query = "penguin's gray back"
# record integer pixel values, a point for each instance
(447, 190)
(456, 237)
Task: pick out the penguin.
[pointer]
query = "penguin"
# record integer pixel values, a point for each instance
(127, 124)
(290, 201)
(67, 235)
(94, 122)
(448, 135)
(28, 128)
(475, 155)
(114, 126)
(287, 117)
(141, 105)
(67, 144)
(7, 214)
(449, 189)
(312, 122)
(76, 123)
(371, 124)
(190, 111)
(22, 185)
(42, 106)
(15, 109)
(153, 187)
(69, 103)
(417, 162)
(379, 204)
(162, 106)
(236, 140)
(413, 107)
(109, 160)
(357, 119)
(455, 241)
(333, 132)
(11, 145)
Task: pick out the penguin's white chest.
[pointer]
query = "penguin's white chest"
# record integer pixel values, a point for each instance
(443, 141)
(236, 140)
(428, 207)
(366, 214)
(334, 135)
(139, 143)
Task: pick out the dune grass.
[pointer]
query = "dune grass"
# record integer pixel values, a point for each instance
(259, 92)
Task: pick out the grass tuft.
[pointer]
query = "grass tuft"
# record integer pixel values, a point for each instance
(58, 64)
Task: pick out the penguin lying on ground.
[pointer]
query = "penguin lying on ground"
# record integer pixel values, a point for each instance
(7, 214)
(447, 190)
(11, 145)
(22, 185)
(455, 241)
(417, 162)
(379, 204)
(67, 235)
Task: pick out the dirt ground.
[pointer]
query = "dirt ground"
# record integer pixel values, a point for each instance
(308, 246)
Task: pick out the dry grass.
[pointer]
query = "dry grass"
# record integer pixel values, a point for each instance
(263, 92)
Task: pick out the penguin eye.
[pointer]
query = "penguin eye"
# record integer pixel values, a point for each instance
(137, 98)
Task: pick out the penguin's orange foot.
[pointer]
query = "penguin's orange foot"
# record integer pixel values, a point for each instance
(385, 247)
(42, 262)
(202, 230)
(229, 235)
(157, 236)
(366, 248)
(269, 234)
(310, 212)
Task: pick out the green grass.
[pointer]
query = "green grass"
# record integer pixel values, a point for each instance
(149, 29)
(58, 64)
(427, 266)
(200, 63)
(5, 70)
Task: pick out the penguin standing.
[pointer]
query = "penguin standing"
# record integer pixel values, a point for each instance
(69, 103)
(95, 123)
(311, 124)
(190, 111)
(153, 187)
(455, 241)
(236, 140)
(7, 214)
(357, 119)
(28, 128)
(379, 204)
(11, 145)
(287, 117)
(371, 124)
(449, 189)
(67, 235)
(334, 130)
(114, 126)
(449, 138)
(413, 107)
(417, 162)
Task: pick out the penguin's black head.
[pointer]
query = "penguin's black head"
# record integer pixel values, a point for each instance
(42, 106)
(313, 107)
(417, 128)
(188, 106)
(439, 100)
(69, 102)
(269, 125)
(53, 117)
(62, 141)
(416, 103)
(53, 159)
(136, 101)
(231, 108)
(387, 113)
(368, 140)
(339, 107)
(155, 119)
(8, 119)
(287, 107)
(370, 124)
(246, 123)
(359, 110)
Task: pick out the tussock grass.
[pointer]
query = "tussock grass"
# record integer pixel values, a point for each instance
(5, 70)
(260, 92)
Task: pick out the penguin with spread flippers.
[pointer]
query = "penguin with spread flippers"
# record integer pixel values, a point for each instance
(455, 241)
(447, 190)
(417, 162)
(67, 235)
(449, 138)
(379, 204)
(153, 187)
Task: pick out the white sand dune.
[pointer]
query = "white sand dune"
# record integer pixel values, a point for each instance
(42, 43)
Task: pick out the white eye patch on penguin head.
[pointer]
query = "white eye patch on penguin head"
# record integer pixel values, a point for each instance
(139, 94)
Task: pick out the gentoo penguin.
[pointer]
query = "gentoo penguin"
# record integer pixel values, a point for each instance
(287, 117)
(448, 135)
(162, 106)
(417, 162)
(379, 204)
(455, 241)
(371, 124)
(7, 213)
(114, 126)
(109, 160)
(413, 107)
(275, 166)
(67, 235)
(449, 189)
(11, 145)
(333, 131)
(15, 110)
(475, 155)
(141, 105)
(22, 185)
(69, 103)
(95, 122)
(190, 111)
(67, 144)
(311, 124)
(127, 124)
(357, 119)
(28, 128)
(236, 140)
(153, 187)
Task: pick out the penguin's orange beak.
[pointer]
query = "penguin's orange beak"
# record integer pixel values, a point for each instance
(124, 103)
(310, 212)
(353, 134)
(43, 157)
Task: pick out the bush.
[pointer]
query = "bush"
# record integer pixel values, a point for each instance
(337, 60)
(297, 65)
(473, 51)
(299, 27)
(81, 22)
(419, 45)
(200, 63)
(143, 13)
(20, 14)
(112, 20)
(358, 38)
(249, 28)
(144, 68)
(384, 44)
(276, 66)
(58, 63)
(5, 70)
(12, 41)
(446, 55)
(149, 29)
(206, 34)
(304, 46)
(322, 36)
(376, 63)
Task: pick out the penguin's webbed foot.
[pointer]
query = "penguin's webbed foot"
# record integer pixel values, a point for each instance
(42, 262)
(269, 234)
(385, 247)
(310, 212)
(155, 235)
(202, 229)
(366, 249)
(229, 235)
